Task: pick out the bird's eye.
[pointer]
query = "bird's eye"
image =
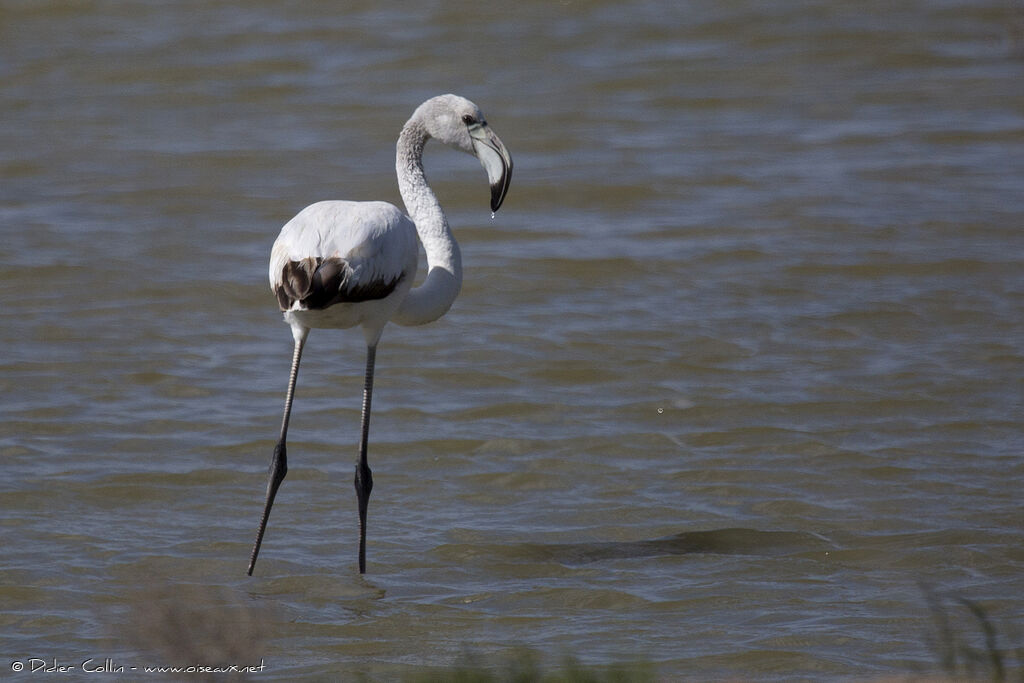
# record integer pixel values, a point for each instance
(468, 119)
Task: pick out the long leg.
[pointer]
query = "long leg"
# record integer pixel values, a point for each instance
(279, 463)
(364, 478)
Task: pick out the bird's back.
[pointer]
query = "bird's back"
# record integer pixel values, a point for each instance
(337, 252)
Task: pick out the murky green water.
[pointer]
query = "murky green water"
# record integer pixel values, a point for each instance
(734, 383)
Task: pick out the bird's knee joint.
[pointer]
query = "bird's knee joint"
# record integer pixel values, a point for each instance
(279, 463)
(363, 479)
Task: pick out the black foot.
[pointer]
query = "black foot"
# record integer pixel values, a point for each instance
(364, 484)
(278, 470)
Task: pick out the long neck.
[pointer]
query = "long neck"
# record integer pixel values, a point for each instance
(434, 297)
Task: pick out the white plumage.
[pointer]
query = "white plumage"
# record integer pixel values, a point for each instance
(339, 264)
(376, 241)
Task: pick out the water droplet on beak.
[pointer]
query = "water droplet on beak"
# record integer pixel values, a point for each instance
(492, 215)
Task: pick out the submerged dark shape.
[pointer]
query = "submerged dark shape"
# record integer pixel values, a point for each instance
(730, 541)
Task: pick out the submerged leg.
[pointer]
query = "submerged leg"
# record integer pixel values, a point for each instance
(279, 463)
(364, 478)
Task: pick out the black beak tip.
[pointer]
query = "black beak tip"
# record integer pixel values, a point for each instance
(500, 189)
(497, 196)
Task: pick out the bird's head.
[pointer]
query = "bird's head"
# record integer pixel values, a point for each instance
(459, 123)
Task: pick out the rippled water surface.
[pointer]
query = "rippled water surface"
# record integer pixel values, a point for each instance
(733, 387)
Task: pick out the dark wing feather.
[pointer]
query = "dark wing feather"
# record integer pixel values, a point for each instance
(317, 283)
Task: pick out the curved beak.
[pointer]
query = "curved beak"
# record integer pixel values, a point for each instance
(495, 160)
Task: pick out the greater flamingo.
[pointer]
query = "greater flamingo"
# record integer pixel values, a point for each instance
(338, 264)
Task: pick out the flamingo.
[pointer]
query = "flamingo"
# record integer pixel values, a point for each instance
(338, 264)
